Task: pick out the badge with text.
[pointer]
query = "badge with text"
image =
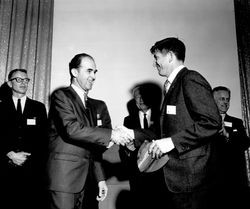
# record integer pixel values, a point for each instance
(171, 110)
(228, 124)
(31, 121)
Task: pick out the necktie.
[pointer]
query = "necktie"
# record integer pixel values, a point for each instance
(145, 121)
(19, 108)
(166, 86)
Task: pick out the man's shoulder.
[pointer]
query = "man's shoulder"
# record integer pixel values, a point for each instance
(96, 101)
(233, 119)
(35, 103)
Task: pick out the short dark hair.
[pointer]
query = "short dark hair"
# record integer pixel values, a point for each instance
(221, 88)
(76, 61)
(11, 73)
(170, 44)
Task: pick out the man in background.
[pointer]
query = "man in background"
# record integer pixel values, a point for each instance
(234, 142)
(80, 130)
(143, 114)
(23, 145)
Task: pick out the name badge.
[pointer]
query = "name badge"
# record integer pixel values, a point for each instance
(99, 122)
(31, 122)
(228, 124)
(171, 110)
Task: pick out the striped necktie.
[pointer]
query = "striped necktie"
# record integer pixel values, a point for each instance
(166, 86)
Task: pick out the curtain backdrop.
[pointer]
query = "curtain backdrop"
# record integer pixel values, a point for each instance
(242, 20)
(26, 42)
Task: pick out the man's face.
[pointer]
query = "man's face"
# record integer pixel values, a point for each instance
(162, 63)
(18, 84)
(85, 74)
(222, 99)
(139, 101)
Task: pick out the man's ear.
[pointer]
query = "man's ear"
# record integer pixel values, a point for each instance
(9, 84)
(74, 72)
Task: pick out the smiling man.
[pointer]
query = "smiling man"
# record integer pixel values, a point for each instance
(189, 123)
(234, 142)
(80, 129)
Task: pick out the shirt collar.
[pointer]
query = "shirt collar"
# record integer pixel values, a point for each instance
(23, 100)
(148, 113)
(172, 76)
(80, 92)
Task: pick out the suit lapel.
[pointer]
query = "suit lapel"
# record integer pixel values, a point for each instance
(167, 96)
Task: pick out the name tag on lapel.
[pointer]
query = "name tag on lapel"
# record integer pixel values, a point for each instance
(99, 121)
(31, 121)
(228, 124)
(171, 110)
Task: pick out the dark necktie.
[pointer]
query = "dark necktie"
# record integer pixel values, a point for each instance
(88, 110)
(19, 108)
(145, 122)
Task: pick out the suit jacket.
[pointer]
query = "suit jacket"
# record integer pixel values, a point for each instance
(75, 139)
(142, 185)
(232, 151)
(28, 135)
(190, 117)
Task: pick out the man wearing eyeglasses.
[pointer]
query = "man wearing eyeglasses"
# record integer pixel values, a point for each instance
(23, 125)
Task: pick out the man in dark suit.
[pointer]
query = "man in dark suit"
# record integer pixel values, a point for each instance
(143, 114)
(23, 147)
(80, 130)
(189, 123)
(234, 142)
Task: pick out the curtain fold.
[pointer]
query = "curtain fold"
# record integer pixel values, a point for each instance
(242, 19)
(26, 28)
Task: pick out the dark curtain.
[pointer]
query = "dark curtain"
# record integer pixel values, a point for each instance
(242, 21)
(26, 42)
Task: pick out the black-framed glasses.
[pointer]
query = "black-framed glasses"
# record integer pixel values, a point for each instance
(20, 80)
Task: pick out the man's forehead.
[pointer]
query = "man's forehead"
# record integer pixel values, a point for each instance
(20, 74)
(88, 62)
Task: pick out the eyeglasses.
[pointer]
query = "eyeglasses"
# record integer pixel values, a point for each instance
(20, 80)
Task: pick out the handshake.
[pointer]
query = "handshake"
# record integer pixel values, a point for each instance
(122, 136)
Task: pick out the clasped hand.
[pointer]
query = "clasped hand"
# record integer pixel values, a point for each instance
(18, 158)
(122, 135)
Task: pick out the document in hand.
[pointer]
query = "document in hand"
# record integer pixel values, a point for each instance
(146, 163)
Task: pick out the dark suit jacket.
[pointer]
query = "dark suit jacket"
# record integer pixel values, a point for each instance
(73, 139)
(190, 117)
(142, 185)
(233, 152)
(30, 135)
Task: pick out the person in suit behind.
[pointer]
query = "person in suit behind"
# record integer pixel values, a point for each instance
(143, 114)
(24, 136)
(189, 124)
(234, 142)
(5, 91)
(79, 131)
